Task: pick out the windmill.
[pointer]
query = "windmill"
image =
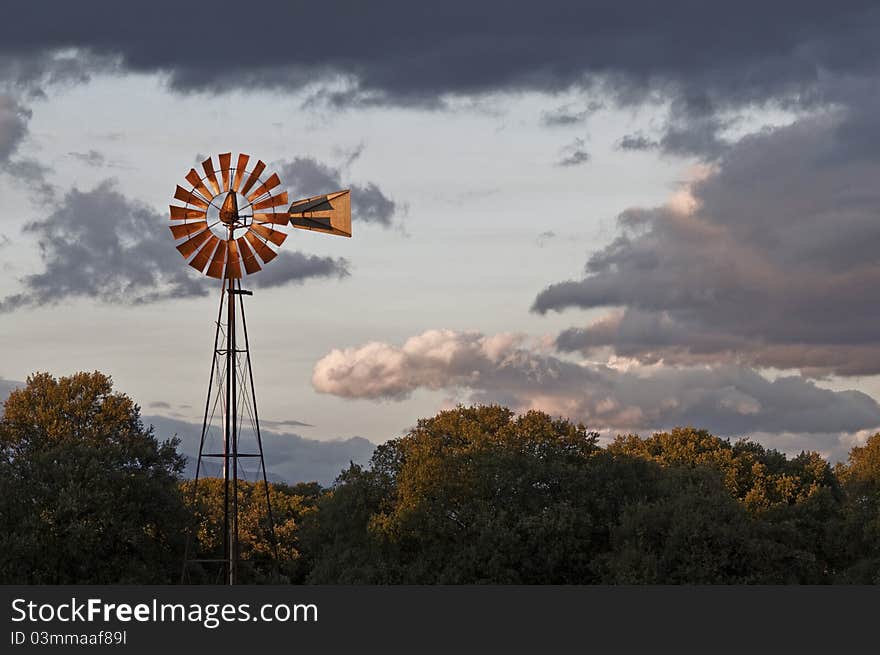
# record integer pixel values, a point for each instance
(234, 217)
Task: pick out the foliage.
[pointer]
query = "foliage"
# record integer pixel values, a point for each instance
(471, 495)
(266, 554)
(87, 494)
(859, 538)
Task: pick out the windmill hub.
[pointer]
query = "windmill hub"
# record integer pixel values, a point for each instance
(229, 209)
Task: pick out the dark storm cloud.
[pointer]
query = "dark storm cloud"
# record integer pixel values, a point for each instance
(774, 264)
(305, 176)
(27, 71)
(403, 52)
(702, 61)
(100, 244)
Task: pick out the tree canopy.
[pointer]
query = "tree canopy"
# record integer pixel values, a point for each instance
(88, 494)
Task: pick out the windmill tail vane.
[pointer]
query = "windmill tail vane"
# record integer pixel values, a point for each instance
(235, 217)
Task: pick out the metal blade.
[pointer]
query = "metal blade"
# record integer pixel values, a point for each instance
(204, 255)
(180, 231)
(251, 265)
(196, 180)
(184, 213)
(272, 201)
(190, 198)
(208, 165)
(264, 251)
(233, 268)
(265, 187)
(275, 218)
(239, 170)
(225, 160)
(253, 177)
(189, 247)
(275, 236)
(215, 268)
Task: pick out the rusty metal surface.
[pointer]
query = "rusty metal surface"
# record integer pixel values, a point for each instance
(189, 246)
(200, 261)
(225, 161)
(195, 179)
(248, 258)
(229, 209)
(253, 177)
(189, 198)
(233, 268)
(211, 176)
(215, 268)
(260, 247)
(276, 218)
(265, 187)
(275, 236)
(185, 213)
(240, 167)
(187, 229)
(272, 201)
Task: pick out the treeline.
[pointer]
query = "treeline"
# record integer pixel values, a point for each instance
(472, 495)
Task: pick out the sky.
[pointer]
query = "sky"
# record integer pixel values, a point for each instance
(635, 215)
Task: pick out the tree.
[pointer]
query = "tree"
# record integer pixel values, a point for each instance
(759, 477)
(476, 495)
(87, 493)
(266, 553)
(859, 538)
(690, 531)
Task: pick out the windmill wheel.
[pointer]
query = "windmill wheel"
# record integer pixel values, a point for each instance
(230, 217)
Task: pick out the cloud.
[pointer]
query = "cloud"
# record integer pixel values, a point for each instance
(290, 423)
(796, 57)
(544, 237)
(566, 115)
(636, 142)
(14, 119)
(289, 457)
(305, 177)
(91, 158)
(729, 400)
(13, 126)
(767, 259)
(460, 48)
(574, 154)
(297, 267)
(693, 127)
(100, 244)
